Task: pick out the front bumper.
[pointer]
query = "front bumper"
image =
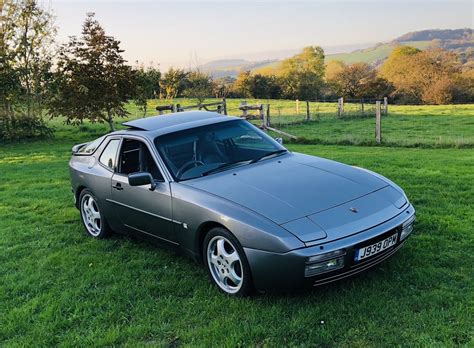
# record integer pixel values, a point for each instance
(283, 272)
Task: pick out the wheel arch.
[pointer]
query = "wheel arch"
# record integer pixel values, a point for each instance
(201, 232)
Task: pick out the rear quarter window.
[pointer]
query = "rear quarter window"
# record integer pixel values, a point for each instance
(91, 147)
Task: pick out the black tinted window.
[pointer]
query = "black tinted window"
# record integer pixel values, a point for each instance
(135, 157)
(109, 154)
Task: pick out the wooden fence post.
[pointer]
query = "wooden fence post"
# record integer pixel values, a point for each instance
(308, 114)
(268, 116)
(385, 106)
(340, 107)
(262, 114)
(174, 106)
(224, 103)
(297, 107)
(362, 106)
(244, 112)
(378, 123)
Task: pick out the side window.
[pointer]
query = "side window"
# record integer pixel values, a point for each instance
(108, 156)
(135, 157)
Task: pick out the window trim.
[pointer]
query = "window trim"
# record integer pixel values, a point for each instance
(154, 156)
(109, 139)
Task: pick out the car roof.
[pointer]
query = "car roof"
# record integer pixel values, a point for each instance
(181, 120)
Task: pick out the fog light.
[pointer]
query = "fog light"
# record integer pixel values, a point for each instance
(407, 228)
(324, 263)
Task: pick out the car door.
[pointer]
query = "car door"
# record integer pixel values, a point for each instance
(138, 208)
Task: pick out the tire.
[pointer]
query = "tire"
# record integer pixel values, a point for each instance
(226, 263)
(92, 218)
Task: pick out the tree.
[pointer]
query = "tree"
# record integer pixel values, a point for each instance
(333, 68)
(264, 87)
(198, 85)
(303, 74)
(359, 80)
(242, 85)
(464, 86)
(147, 81)
(92, 80)
(223, 86)
(172, 83)
(415, 74)
(26, 47)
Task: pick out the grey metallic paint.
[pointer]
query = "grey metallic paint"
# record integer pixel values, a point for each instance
(282, 210)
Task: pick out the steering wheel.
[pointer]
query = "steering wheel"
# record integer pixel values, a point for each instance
(186, 165)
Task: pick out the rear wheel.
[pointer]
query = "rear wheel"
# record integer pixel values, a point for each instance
(226, 263)
(92, 218)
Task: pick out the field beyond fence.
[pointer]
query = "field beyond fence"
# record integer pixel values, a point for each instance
(60, 287)
(440, 126)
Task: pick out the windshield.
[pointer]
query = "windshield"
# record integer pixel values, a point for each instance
(205, 150)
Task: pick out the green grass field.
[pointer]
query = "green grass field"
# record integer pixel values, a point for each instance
(60, 287)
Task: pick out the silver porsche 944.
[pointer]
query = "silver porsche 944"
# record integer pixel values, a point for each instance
(258, 216)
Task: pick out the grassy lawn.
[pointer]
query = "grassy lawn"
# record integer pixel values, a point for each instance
(58, 286)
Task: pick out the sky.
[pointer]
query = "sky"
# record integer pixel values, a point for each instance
(187, 33)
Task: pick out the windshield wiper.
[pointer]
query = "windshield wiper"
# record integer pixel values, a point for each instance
(276, 152)
(224, 166)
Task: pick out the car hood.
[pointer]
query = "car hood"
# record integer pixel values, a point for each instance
(291, 186)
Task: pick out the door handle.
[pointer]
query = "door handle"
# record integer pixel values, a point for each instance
(118, 186)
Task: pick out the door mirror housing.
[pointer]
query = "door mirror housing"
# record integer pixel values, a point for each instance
(279, 140)
(140, 179)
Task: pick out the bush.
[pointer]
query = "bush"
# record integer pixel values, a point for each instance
(22, 126)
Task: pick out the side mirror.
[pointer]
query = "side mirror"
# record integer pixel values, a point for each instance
(141, 178)
(279, 140)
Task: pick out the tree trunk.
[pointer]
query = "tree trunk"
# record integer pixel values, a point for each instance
(110, 121)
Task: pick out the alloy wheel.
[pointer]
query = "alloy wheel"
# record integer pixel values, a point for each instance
(91, 215)
(225, 264)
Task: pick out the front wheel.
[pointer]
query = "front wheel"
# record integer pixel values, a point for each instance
(226, 263)
(92, 218)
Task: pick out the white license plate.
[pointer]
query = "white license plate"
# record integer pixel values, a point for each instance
(376, 248)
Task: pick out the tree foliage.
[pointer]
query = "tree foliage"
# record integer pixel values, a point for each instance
(147, 86)
(198, 85)
(358, 80)
(422, 76)
(93, 80)
(172, 83)
(303, 74)
(26, 55)
(222, 87)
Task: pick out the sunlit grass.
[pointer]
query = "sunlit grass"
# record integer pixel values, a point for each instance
(60, 287)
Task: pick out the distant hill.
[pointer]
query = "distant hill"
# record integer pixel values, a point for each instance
(460, 41)
(465, 34)
(232, 67)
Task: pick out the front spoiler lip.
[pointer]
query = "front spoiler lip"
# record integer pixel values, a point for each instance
(351, 272)
(285, 272)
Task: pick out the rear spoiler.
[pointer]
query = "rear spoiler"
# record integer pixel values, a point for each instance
(77, 147)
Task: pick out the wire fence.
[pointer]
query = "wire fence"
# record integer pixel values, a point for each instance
(350, 122)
